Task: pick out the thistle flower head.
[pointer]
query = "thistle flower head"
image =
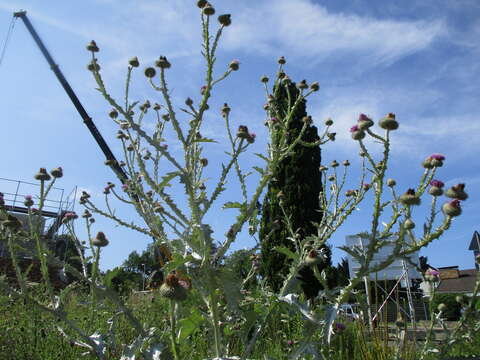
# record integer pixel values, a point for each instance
(452, 208)
(100, 240)
(42, 175)
(163, 63)
(354, 128)
(329, 122)
(69, 216)
(150, 72)
(457, 192)
(437, 183)
(391, 182)
(28, 200)
(281, 60)
(92, 46)
(315, 86)
(389, 122)
(133, 62)
(410, 198)
(364, 122)
(339, 327)
(208, 10)
(172, 289)
(234, 65)
(225, 19)
(57, 172)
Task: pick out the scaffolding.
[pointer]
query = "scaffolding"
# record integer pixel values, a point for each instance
(50, 218)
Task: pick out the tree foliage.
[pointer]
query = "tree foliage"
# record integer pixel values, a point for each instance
(296, 183)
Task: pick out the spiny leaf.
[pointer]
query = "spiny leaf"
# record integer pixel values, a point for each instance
(287, 252)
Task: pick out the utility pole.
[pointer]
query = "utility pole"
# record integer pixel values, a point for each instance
(143, 278)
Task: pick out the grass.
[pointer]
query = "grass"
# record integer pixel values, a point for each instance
(29, 334)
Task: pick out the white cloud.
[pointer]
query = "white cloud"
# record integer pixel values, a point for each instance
(303, 29)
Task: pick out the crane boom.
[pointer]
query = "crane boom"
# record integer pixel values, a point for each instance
(73, 97)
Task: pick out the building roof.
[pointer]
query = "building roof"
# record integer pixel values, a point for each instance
(475, 243)
(464, 283)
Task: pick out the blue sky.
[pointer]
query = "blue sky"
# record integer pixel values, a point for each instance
(418, 59)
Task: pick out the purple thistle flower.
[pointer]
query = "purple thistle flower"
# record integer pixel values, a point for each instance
(354, 128)
(455, 203)
(340, 326)
(28, 197)
(433, 272)
(437, 157)
(437, 183)
(363, 117)
(289, 342)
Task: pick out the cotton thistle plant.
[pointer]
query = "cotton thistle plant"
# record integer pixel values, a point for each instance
(183, 228)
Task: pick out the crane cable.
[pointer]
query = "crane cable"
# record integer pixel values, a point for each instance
(7, 39)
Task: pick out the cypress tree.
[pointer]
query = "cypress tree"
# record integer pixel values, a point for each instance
(298, 180)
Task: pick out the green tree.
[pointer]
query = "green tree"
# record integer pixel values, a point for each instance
(297, 184)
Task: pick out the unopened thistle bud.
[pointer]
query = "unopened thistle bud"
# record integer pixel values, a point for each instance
(150, 72)
(442, 307)
(42, 175)
(162, 63)
(323, 168)
(389, 122)
(204, 162)
(391, 182)
(364, 122)
(457, 192)
(346, 163)
(408, 224)
(86, 214)
(225, 110)
(331, 178)
(201, 3)
(208, 10)
(334, 164)
(329, 122)
(93, 65)
(133, 62)
(100, 240)
(156, 106)
(92, 46)
(110, 162)
(410, 198)
(452, 208)
(189, 102)
(225, 19)
(281, 60)
(234, 65)
(113, 114)
(57, 172)
(264, 79)
(171, 289)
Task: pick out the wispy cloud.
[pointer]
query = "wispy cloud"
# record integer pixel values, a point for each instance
(303, 29)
